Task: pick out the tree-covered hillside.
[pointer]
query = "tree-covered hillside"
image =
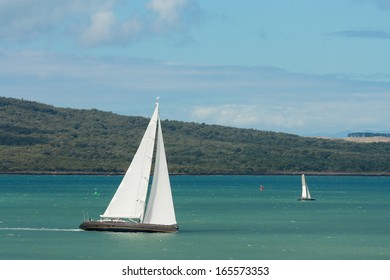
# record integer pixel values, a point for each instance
(39, 138)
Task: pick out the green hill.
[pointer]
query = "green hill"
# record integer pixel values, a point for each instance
(37, 138)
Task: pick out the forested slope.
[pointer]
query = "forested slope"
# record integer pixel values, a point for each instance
(37, 138)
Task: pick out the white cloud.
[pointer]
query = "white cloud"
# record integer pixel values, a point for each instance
(167, 10)
(263, 116)
(101, 28)
(94, 22)
(306, 117)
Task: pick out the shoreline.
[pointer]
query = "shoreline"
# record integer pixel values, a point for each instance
(92, 173)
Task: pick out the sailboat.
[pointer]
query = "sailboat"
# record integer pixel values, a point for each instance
(128, 210)
(305, 190)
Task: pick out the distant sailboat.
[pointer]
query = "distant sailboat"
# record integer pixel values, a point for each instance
(305, 190)
(128, 211)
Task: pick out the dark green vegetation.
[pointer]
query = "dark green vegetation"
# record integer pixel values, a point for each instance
(37, 138)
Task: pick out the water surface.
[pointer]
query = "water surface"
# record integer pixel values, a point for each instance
(220, 217)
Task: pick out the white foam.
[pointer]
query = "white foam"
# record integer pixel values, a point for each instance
(41, 229)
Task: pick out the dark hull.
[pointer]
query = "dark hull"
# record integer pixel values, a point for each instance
(307, 199)
(120, 226)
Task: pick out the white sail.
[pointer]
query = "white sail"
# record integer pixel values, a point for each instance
(160, 209)
(129, 199)
(305, 189)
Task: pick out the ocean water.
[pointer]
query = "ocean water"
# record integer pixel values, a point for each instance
(220, 218)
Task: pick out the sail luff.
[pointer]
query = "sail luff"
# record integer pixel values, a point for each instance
(129, 199)
(160, 209)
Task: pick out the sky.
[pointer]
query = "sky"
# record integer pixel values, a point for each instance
(307, 67)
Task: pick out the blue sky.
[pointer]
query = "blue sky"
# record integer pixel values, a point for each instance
(305, 67)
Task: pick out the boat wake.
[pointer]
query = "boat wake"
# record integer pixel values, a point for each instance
(40, 229)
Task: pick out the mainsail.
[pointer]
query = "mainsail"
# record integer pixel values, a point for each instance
(129, 199)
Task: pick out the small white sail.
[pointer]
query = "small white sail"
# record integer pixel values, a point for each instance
(305, 189)
(129, 199)
(160, 209)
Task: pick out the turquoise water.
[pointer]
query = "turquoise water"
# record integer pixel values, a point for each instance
(220, 217)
